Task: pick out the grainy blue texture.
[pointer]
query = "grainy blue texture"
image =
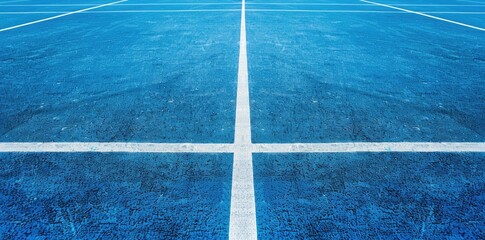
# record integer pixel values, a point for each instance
(370, 196)
(171, 77)
(122, 196)
(165, 77)
(330, 77)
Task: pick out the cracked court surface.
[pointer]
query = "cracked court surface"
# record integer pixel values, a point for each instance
(260, 119)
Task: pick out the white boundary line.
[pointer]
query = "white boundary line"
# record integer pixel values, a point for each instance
(426, 15)
(59, 16)
(12, 2)
(238, 10)
(360, 4)
(127, 147)
(238, 3)
(106, 147)
(370, 147)
(242, 223)
(355, 11)
(129, 11)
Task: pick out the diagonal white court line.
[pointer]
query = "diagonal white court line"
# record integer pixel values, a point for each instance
(425, 15)
(59, 16)
(242, 223)
(345, 147)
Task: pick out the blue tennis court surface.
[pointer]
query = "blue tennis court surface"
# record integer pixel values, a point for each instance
(370, 196)
(364, 77)
(269, 119)
(114, 196)
(94, 78)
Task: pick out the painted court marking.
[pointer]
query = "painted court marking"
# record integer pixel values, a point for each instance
(425, 15)
(123, 4)
(59, 16)
(354, 11)
(242, 223)
(243, 211)
(129, 11)
(127, 147)
(106, 147)
(236, 3)
(238, 10)
(360, 4)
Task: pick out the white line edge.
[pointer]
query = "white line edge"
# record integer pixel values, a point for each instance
(238, 10)
(242, 220)
(59, 16)
(343, 147)
(425, 15)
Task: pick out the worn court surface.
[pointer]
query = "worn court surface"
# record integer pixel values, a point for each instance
(225, 119)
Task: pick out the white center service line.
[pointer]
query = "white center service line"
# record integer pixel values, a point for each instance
(242, 224)
(59, 16)
(425, 15)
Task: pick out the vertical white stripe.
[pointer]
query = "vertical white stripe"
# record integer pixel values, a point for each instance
(243, 207)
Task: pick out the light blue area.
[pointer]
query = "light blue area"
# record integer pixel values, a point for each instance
(122, 196)
(318, 77)
(370, 196)
(121, 77)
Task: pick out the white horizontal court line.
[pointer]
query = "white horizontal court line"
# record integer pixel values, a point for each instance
(236, 3)
(59, 16)
(165, 11)
(127, 147)
(360, 4)
(370, 147)
(320, 11)
(132, 147)
(129, 11)
(355, 11)
(122, 4)
(215, 3)
(426, 15)
(237, 10)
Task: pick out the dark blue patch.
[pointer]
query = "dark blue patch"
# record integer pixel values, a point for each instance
(370, 196)
(122, 196)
